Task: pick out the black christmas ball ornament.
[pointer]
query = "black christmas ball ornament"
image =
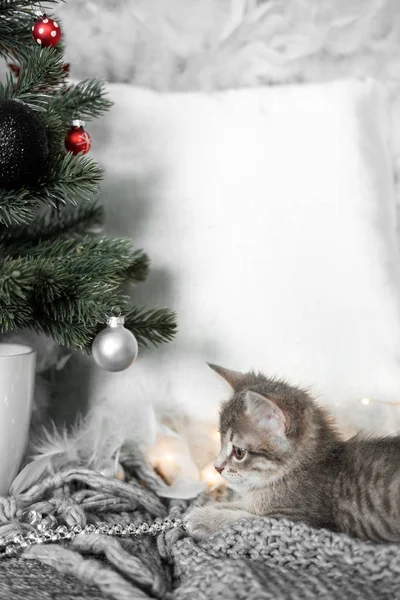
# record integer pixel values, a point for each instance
(23, 145)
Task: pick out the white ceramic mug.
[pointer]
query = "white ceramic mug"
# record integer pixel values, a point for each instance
(17, 377)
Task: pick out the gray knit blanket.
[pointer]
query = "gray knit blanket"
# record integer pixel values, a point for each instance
(257, 558)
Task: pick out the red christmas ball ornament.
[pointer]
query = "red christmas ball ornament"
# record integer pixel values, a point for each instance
(46, 32)
(77, 139)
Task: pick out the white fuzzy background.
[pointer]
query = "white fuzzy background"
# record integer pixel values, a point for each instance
(219, 44)
(209, 44)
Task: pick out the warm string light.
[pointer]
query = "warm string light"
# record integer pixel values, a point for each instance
(364, 414)
(389, 403)
(166, 459)
(367, 402)
(210, 476)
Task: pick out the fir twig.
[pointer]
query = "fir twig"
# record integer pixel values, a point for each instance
(71, 307)
(96, 257)
(10, 6)
(17, 206)
(56, 223)
(151, 326)
(55, 129)
(41, 70)
(91, 259)
(72, 179)
(87, 100)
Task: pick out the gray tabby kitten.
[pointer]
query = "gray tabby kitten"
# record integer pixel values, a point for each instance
(283, 456)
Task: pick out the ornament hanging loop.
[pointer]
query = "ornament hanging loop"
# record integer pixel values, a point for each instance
(77, 122)
(38, 11)
(115, 321)
(116, 311)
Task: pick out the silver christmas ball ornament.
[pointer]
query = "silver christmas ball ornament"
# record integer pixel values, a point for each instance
(115, 348)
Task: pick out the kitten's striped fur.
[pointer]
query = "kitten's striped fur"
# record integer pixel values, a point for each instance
(296, 465)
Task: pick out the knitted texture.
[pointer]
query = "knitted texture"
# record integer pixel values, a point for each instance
(252, 559)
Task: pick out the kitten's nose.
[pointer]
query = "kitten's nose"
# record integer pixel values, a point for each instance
(219, 469)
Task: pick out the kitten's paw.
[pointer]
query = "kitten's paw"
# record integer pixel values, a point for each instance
(202, 522)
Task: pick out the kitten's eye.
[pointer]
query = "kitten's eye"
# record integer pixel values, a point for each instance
(239, 453)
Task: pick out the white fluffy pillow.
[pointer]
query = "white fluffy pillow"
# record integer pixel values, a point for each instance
(269, 216)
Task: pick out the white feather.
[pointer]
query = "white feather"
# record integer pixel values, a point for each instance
(95, 439)
(94, 442)
(32, 474)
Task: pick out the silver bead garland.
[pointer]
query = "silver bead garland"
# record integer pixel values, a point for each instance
(45, 532)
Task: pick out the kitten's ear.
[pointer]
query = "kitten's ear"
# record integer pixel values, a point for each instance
(266, 414)
(234, 378)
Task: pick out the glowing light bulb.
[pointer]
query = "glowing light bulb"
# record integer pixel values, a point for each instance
(163, 458)
(168, 458)
(210, 476)
(365, 401)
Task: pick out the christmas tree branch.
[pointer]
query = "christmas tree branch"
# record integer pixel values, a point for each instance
(149, 326)
(68, 323)
(55, 133)
(17, 278)
(41, 72)
(60, 300)
(72, 335)
(11, 6)
(155, 325)
(71, 221)
(17, 206)
(70, 179)
(14, 317)
(108, 259)
(86, 101)
(15, 28)
(104, 259)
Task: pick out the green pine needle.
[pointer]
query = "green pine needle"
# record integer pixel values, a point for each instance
(87, 100)
(17, 206)
(67, 221)
(151, 326)
(72, 179)
(41, 73)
